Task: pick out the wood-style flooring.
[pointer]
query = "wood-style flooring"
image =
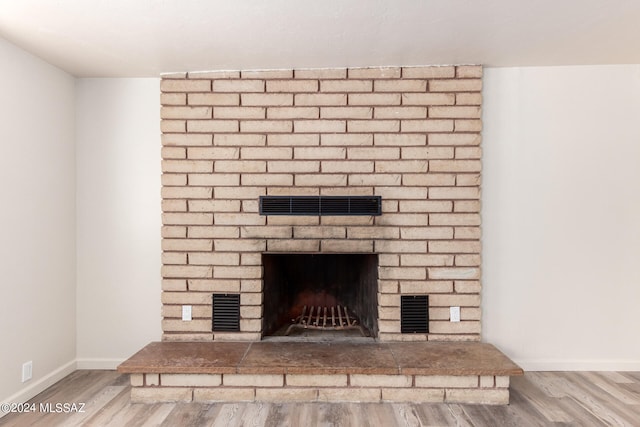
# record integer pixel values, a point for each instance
(537, 399)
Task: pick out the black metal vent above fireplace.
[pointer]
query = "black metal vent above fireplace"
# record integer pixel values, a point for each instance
(320, 205)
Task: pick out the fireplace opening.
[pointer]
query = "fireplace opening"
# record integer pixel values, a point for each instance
(321, 295)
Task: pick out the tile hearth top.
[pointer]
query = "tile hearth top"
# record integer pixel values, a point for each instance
(408, 358)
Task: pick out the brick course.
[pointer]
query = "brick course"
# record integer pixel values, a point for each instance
(153, 388)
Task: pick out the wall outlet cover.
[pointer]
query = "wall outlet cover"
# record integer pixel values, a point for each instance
(27, 371)
(454, 314)
(186, 312)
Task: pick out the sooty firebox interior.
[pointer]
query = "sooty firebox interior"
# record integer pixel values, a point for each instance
(321, 292)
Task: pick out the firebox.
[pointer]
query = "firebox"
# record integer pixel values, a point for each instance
(320, 292)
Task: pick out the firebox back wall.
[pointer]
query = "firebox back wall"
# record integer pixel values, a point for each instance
(410, 135)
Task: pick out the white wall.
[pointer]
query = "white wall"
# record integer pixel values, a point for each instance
(37, 213)
(561, 205)
(561, 216)
(119, 219)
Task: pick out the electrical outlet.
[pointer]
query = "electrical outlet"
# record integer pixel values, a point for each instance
(27, 371)
(186, 312)
(454, 314)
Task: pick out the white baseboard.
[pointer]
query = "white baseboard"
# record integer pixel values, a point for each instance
(100, 364)
(578, 364)
(41, 384)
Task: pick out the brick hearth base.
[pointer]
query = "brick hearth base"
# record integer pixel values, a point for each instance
(320, 372)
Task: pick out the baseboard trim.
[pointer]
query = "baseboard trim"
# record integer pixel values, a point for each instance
(41, 384)
(578, 365)
(100, 364)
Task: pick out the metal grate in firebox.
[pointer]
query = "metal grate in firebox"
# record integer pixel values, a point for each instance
(226, 313)
(320, 205)
(414, 314)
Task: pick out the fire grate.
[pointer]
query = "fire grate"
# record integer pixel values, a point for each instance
(335, 318)
(320, 205)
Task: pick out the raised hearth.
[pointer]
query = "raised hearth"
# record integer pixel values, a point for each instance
(331, 371)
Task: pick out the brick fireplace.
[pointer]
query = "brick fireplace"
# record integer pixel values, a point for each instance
(238, 150)
(410, 135)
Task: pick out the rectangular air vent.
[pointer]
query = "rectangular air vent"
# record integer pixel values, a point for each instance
(320, 205)
(226, 313)
(414, 314)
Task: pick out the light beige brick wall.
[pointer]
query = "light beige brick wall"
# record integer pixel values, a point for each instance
(408, 134)
(214, 387)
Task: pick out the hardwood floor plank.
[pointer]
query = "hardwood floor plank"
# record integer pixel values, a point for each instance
(99, 401)
(329, 414)
(435, 415)
(549, 383)
(159, 413)
(86, 384)
(279, 415)
(211, 412)
(633, 388)
(579, 403)
(479, 416)
(612, 388)
(131, 415)
(535, 396)
(255, 415)
(309, 412)
(298, 413)
(596, 401)
(229, 415)
(106, 414)
(579, 417)
(504, 416)
(379, 415)
(406, 415)
(519, 413)
(634, 375)
(618, 377)
(459, 416)
(356, 414)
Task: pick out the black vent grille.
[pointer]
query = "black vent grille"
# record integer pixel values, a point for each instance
(226, 313)
(320, 205)
(414, 314)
